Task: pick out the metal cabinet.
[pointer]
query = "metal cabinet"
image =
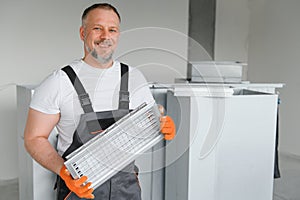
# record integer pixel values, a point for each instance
(224, 148)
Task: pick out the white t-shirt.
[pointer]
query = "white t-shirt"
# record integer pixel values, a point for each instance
(56, 94)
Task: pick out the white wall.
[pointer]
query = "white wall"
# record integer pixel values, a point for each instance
(38, 37)
(274, 48)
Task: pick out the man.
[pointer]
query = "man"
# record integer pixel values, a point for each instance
(55, 104)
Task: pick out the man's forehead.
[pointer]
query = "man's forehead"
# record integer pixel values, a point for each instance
(103, 14)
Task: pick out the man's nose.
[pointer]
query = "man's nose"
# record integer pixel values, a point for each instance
(104, 34)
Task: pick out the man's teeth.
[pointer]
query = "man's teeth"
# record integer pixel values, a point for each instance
(103, 45)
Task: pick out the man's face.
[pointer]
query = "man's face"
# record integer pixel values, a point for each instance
(100, 34)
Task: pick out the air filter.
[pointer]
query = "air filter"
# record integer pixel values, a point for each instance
(110, 151)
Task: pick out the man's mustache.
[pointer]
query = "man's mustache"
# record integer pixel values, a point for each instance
(104, 42)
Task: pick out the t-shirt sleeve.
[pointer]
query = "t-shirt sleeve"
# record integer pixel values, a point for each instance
(46, 96)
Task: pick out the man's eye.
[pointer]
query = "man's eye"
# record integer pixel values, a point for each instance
(97, 28)
(113, 30)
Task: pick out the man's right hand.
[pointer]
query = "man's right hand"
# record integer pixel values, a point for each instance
(77, 185)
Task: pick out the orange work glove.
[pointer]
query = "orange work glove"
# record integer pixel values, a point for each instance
(76, 185)
(167, 127)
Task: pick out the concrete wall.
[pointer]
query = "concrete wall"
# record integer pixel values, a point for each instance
(232, 29)
(202, 23)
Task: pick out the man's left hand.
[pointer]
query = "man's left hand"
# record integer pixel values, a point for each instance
(167, 127)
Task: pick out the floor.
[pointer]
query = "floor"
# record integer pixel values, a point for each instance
(285, 188)
(288, 186)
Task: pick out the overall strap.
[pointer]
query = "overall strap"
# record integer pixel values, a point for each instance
(84, 98)
(123, 93)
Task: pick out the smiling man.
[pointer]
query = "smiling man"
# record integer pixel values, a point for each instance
(100, 33)
(94, 84)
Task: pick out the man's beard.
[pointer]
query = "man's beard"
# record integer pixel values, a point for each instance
(101, 59)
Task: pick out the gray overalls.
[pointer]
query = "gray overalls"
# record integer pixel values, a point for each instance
(124, 185)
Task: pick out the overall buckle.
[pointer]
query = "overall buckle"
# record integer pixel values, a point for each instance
(84, 99)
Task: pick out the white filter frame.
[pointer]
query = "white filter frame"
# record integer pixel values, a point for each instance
(110, 151)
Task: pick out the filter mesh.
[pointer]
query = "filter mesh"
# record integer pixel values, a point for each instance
(110, 151)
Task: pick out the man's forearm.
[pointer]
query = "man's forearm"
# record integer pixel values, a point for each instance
(44, 153)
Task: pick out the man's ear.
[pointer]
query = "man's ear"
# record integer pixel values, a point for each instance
(82, 33)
